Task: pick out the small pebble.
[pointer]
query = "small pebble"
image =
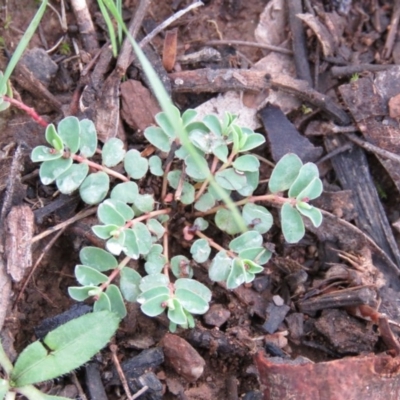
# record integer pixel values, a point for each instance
(278, 301)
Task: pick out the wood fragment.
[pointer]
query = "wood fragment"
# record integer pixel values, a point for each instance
(170, 49)
(394, 23)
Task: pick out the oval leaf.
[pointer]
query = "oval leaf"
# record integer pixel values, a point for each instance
(247, 162)
(307, 173)
(246, 240)
(69, 130)
(135, 165)
(314, 214)
(116, 301)
(155, 166)
(312, 191)
(285, 173)
(50, 170)
(126, 192)
(94, 188)
(129, 284)
(257, 218)
(53, 139)
(88, 143)
(180, 267)
(157, 138)
(44, 153)
(230, 179)
(88, 276)
(97, 258)
(200, 250)
(220, 267)
(292, 225)
(72, 178)
(225, 221)
(113, 152)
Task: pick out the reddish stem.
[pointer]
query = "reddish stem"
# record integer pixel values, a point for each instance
(30, 111)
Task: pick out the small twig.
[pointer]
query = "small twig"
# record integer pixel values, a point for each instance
(249, 44)
(140, 392)
(76, 382)
(121, 374)
(30, 111)
(354, 69)
(215, 245)
(333, 153)
(207, 181)
(394, 23)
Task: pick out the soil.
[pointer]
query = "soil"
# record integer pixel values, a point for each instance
(290, 310)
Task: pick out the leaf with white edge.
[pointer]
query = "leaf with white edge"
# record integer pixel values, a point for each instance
(221, 152)
(257, 218)
(213, 123)
(64, 349)
(116, 244)
(252, 181)
(163, 120)
(225, 221)
(44, 153)
(158, 138)
(188, 192)
(307, 173)
(193, 295)
(205, 202)
(188, 116)
(155, 166)
(176, 313)
(135, 165)
(292, 225)
(259, 255)
(230, 179)
(252, 267)
(50, 170)
(252, 141)
(285, 173)
(155, 228)
(143, 235)
(103, 303)
(113, 152)
(69, 130)
(144, 203)
(314, 214)
(220, 267)
(53, 138)
(72, 178)
(131, 247)
(154, 306)
(88, 145)
(247, 162)
(197, 169)
(129, 284)
(126, 192)
(122, 208)
(108, 214)
(237, 274)
(152, 281)
(80, 293)
(155, 260)
(94, 188)
(312, 191)
(88, 276)
(116, 301)
(201, 224)
(200, 250)
(246, 240)
(180, 267)
(97, 258)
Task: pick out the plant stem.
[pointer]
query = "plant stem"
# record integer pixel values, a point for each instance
(30, 111)
(214, 244)
(147, 216)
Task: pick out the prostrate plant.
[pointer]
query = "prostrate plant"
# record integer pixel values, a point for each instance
(63, 350)
(139, 226)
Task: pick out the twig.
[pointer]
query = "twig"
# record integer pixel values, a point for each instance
(121, 374)
(76, 382)
(140, 392)
(250, 44)
(394, 23)
(353, 69)
(30, 111)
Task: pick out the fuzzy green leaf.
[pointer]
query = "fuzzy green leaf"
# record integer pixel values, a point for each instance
(163, 120)
(129, 284)
(201, 224)
(292, 225)
(50, 170)
(152, 281)
(108, 212)
(220, 267)
(105, 231)
(252, 141)
(135, 165)
(158, 138)
(155, 260)
(221, 152)
(66, 348)
(69, 130)
(44, 153)
(237, 274)
(126, 192)
(312, 191)
(116, 244)
(188, 116)
(155, 166)
(306, 174)
(257, 218)
(225, 221)
(113, 152)
(72, 178)
(94, 188)
(142, 236)
(116, 301)
(53, 138)
(212, 122)
(155, 228)
(80, 293)
(180, 267)
(154, 306)
(193, 295)
(246, 240)
(285, 173)
(230, 179)
(88, 276)
(88, 143)
(176, 314)
(252, 180)
(196, 171)
(102, 303)
(259, 255)
(205, 202)
(247, 162)
(314, 214)
(200, 250)
(144, 203)
(97, 258)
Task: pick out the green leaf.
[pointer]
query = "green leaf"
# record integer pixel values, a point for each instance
(212, 122)
(225, 221)
(216, 195)
(188, 192)
(205, 202)
(50, 170)
(113, 152)
(176, 313)
(152, 281)
(135, 165)
(143, 237)
(103, 303)
(220, 267)
(237, 274)
(155, 166)
(155, 260)
(155, 228)
(108, 214)
(257, 217)
(155, 306)
(65, 348)
(196, 171)
(105, 231)
(314, 214)
(252, 180)
(164, 121)
(69, 130)
(144, 203)
(221, 152)
(97, 258)
(129, 284)
(72, 178)
(312, 191)
(4, 387)
(201, 224)
(260, 255)
(88, 143)
(246, 240)
(193, 295)
(116, 301)
(252, 141)
(200, 250)
(94, 188)
(44, 153)
(247, 163)
(292, 224)
(188, 116)
(285, 173)
(116, 244)
(306, 174)
(53, 138)
(80, 293)
(180, 267)
(126, 192)
(157, 138)
(230, 179)
(88, 276)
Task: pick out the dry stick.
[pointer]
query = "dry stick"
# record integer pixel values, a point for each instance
(38, 261)
(77, 217)
(250, 44)
(353, 69)
(121, 374)
(76, 382)
(394, 23)
(30, 111)
(140, 392)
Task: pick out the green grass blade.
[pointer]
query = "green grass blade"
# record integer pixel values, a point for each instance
(22, 45)
(167, 106)
(110, 27)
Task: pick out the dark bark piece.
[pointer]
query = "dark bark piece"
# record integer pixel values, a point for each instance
(20, 230)
(136, 366)
(154, 386)
(284, 138)
(351, 378)
(256, 302)
(94, 383)
(275, 316)
(295, 322)
(63, 204)
(353, 173)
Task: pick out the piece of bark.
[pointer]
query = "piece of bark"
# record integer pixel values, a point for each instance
(351, 378)
(275, 316)
(94, 383)
(170, 49)
(20, 230)
(136, 366)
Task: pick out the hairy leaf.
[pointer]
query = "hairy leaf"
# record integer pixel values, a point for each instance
(97, 258)
(129, 284)
(285, 173)
(69, 130)
(135, 165)
(292, 225)
(72, 178)
(94, 188)
(50, 170)
(88, 144)
(126, 192)
(257, 218)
